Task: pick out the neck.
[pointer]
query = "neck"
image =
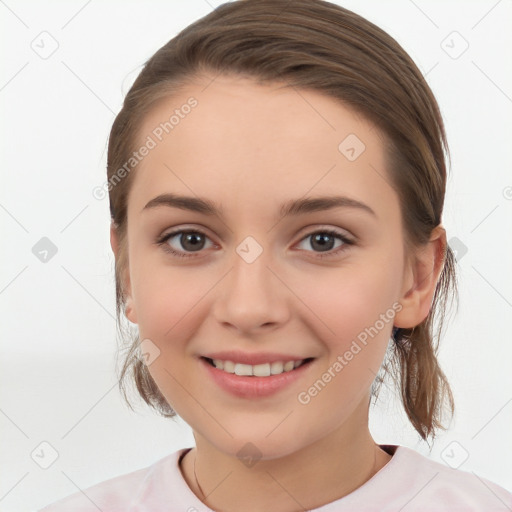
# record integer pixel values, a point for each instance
(319, 473)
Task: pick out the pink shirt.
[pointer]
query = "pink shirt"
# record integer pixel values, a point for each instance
(408, 482)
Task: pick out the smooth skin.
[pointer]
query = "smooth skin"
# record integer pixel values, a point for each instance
(250, 148)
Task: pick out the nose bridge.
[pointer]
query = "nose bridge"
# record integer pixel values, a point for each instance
(251, 280)
(250, 269)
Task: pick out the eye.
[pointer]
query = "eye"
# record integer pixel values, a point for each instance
(184, 241)
(324, 241)
(188, 241)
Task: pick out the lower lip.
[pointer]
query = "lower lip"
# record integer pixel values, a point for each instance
(253, 387)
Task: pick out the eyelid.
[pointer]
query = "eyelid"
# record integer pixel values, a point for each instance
(186, 228)
(326, 228)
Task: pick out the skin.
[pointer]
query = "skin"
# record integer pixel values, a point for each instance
(251, 148)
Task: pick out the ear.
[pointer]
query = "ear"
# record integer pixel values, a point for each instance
(125, 277)
(420, 280)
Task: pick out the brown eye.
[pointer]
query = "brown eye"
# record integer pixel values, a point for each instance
(324, 241)
(182, 242)
(192, 241)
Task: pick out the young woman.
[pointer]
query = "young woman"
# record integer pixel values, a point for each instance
(276, 181)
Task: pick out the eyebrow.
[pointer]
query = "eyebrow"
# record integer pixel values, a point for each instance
(292, 207)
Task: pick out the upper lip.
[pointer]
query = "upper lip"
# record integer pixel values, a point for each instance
(252, 358)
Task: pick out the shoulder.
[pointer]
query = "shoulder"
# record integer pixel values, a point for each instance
(411, 482)
(427, 483)
(117, 494)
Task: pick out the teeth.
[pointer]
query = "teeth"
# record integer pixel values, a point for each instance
(276, 368)
(258, 370)
(288, 366)
(243, 369)
(228, 366)
(261, 370)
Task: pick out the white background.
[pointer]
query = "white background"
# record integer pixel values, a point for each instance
(58, 330)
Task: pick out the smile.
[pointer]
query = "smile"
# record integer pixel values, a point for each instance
(251, 381)
(257, 370)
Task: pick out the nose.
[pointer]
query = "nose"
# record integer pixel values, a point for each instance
(252, 297)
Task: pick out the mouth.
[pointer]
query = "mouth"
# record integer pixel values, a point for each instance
(257, 381)
(257, 370)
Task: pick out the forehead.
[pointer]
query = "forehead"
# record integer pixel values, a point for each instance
(233, 139)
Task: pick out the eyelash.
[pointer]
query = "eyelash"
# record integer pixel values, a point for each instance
(162, 241)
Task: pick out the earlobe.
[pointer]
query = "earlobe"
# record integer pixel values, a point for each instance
(125, 277)
(423, 274)
(130, 310)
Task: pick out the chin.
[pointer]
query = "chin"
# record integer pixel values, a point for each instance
(258, 442)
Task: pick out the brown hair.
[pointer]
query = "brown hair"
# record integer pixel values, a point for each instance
(316, 45)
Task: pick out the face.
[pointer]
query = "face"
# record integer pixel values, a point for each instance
(248, 284)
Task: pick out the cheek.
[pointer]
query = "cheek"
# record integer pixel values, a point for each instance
(355, 308)
(353, 319)
(168, 298)
(348, 300)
